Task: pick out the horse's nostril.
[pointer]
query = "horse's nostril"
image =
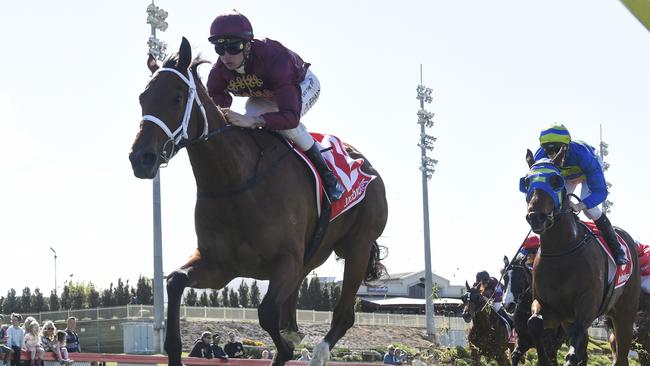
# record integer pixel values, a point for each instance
(148, 159)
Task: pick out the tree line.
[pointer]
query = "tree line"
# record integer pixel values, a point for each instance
(78, 296)
(312, 296)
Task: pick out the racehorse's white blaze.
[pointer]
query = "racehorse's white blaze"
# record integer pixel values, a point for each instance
(508, 297)
(321, 354)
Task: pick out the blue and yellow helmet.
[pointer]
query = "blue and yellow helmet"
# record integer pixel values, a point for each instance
(555, 133)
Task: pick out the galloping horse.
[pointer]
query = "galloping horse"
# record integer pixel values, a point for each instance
(255, 209)
(518, 298)
(488, 335)
(570, 273)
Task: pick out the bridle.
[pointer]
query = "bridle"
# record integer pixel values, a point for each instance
(175, 137)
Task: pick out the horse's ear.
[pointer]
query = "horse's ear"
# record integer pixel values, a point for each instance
(558, 160)
(152, 64)
(530, 159)
(467, 286)
(184, 55)
(506, 262)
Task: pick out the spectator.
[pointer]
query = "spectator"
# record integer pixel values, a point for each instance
(60, 350)
(202, 346)
(389, 357)
(417, 360)
(304, 355)
(5, 351)
(265, 354)
(16, 336)
(400, 357)
(234, 349)
(48, 335)
(71, 338)
(32, 343)
(217, 351)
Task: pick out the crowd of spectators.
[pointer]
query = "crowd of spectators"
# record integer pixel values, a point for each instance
(395, 356)
(37, 340)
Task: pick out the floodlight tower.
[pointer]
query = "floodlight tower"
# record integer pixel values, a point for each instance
(427, 167)
(607, 205)
(156, 18)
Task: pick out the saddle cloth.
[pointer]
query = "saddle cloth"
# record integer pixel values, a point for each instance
(347, 170)
(644, 266)
(618, 274)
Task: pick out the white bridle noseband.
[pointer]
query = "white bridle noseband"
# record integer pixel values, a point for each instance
(181, 131)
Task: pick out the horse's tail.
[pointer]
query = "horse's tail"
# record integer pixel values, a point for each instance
(375, 268)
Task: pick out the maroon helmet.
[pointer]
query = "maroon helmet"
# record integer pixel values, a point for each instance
(231, 25)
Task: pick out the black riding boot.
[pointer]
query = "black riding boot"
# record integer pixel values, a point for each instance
(332, 186)
(505, 315)
(607, 231)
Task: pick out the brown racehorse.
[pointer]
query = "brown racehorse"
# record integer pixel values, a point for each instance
(641, 339)
(488, 335)
(570, 273)
(255, 209)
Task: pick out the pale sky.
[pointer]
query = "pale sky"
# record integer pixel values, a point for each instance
(500, 72)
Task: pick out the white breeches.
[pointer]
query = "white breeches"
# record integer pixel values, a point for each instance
(593, 213)
(310, 87)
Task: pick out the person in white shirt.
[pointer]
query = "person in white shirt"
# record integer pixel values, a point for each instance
(15, 337)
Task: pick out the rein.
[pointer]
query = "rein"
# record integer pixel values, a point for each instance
(179, 138)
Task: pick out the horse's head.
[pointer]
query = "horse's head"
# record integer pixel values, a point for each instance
(518, 279)
(473, 302)
(544, 188)
(168, 117)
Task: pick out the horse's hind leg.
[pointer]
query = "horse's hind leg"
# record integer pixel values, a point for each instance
(356, 263)
(623, 329)
(193, 274)
(288, 323)
(282, 286)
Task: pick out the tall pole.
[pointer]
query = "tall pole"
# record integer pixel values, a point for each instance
(55, 281)
(427, 167)
(604, 151)
(156, 17)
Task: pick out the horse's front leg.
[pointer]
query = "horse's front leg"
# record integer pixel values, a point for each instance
(578, 338)
(536, 330)
(198, 274)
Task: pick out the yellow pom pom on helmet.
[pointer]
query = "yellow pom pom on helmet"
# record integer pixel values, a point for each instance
(556, 133)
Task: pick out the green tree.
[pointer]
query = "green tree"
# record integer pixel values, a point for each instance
(203, 299)
(244, 299)
(224, 297)
(232, 297)
(66, 299)
(26, 301)
(122, 294)
(77, 295)
(303, 296)
(10, 305)
(38, 301)
(2, 301)
(335, 295)
(107, 299)
(53, 303)
(144, 291)
(93, 296)
(315, 293)
(214, 298)
(191, 298)
(255, 295)
(325, 299)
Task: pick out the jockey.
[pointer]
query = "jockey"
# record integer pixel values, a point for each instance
(279, 85)
(582, 166)
(529, 249)
(492, 287)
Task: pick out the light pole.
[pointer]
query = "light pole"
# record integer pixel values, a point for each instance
(427, 167)
(55, 282)
(607, 205)
(156, 18)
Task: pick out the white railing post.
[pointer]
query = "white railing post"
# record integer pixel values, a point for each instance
(128, 316)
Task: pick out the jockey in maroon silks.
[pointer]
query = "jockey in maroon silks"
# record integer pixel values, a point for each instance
(492, 287)
(278, 83)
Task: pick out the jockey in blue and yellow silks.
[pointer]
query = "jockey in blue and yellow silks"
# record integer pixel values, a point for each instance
(582, 166)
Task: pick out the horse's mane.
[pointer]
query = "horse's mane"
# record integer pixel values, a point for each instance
(172, 60)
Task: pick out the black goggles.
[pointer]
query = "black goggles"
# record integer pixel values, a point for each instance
(233, 47)
(551, 148)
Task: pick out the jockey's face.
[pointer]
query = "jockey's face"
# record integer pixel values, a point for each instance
(233, 57)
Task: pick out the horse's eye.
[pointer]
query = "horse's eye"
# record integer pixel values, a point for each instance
(556, 182)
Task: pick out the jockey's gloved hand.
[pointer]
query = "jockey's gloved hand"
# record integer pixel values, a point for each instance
(577, 207)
